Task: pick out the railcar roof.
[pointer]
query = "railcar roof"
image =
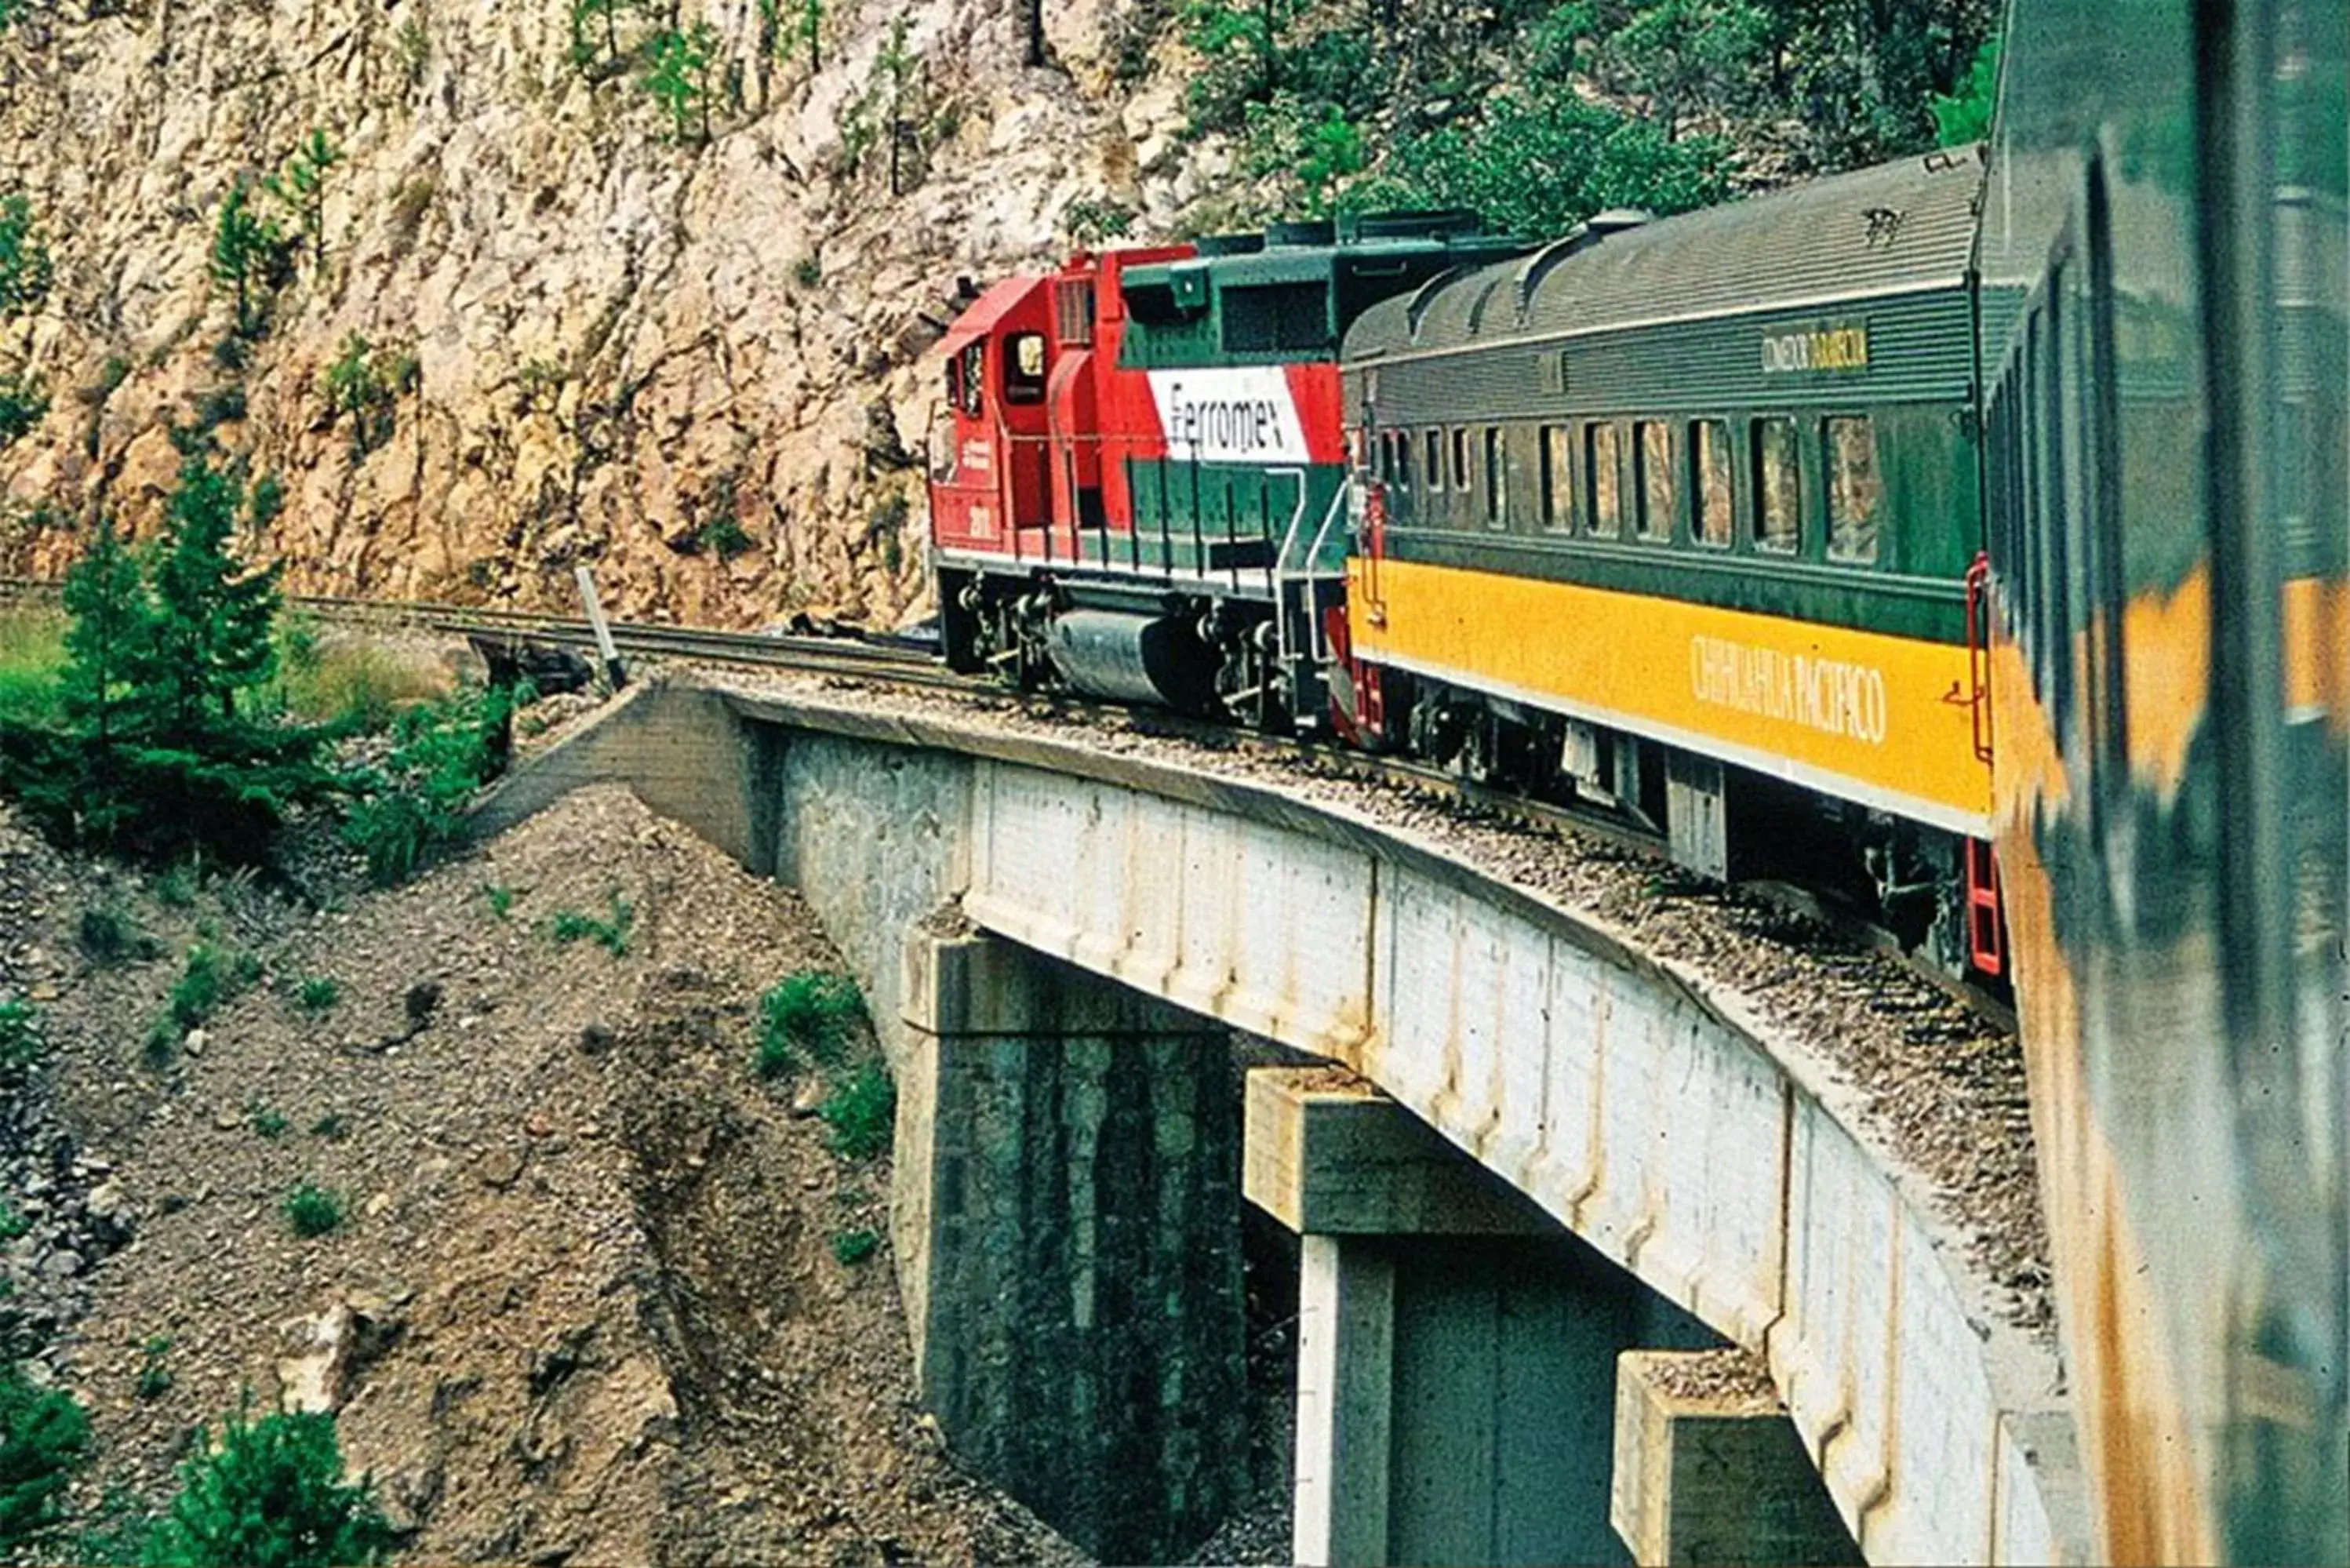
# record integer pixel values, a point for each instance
(1898, 227)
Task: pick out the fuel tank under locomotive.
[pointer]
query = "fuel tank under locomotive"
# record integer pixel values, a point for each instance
(1134, 658)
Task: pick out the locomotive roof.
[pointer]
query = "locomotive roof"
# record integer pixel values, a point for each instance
(1897, 228)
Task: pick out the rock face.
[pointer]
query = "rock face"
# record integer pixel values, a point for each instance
(692, 363)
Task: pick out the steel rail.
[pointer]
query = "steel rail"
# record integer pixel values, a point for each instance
(853, 658)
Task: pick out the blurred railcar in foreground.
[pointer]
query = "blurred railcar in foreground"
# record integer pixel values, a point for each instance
(2165, 287)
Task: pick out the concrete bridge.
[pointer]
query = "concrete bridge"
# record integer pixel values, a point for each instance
(1555, 1168)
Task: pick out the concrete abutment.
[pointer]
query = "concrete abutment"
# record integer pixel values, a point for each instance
(1067, 1220)
(1457, 1347)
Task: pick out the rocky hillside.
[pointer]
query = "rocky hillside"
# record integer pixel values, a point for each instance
(597, 1292)
(536, 314)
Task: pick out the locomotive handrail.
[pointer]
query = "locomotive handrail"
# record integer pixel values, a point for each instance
(1979, 653)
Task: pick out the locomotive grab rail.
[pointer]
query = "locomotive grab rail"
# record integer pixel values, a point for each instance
(1979, 653)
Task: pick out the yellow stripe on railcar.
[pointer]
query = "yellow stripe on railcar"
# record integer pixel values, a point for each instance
(1884, 721)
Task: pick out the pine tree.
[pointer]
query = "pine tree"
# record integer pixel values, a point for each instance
(112, 627)
(212, 618)
(247, 256)
(271, 1496)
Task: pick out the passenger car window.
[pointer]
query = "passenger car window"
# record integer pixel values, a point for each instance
(1856, 493)
(1709, 477)
(1434, 466)
(1603, 502)
(1778, 487)
(1459, 460)
(1557, 480)
(1024, 368)
(1497, 480)
(1652, 465)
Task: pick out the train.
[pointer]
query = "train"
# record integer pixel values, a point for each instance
(1969, 535)
(1673, 517)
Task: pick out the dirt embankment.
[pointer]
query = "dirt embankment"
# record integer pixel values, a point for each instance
(583, 1304)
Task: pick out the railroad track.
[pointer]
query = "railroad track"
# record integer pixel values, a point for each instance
(902, 664)
(909, 665)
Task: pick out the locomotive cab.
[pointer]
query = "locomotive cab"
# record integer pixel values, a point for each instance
(990, 474)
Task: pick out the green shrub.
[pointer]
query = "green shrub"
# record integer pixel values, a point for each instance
(850, 1248)
(108, 936)
(611, 934)
(723, 536)
(807, 272)
(210, 980)
(23, 1044)
(318, 994)
(312, 1211)
(331, 1126)
(154, 1378)
(862, 1113)
(413, 807)
(43, 1435)
(812, 1012)
(177, 887)
(13, 1223)
(267, 1120)
(271, 1496)
(501, 898)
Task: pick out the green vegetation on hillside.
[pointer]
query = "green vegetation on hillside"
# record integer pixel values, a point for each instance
(43, 1436)
(272, 1495)
(1539, 113)
(25, 273)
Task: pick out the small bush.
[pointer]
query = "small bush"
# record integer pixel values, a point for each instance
(501, 898)
(723, 536)
(807, 272)
(812, 1012)
(210, 980)
(23, 1045)
(177, 887)
(414, 807)
(109, 935)
(267, 1120)
(330, 1127)
(318, 994)
(43, 1436)
(611, 934)
(154, 1378)
(272, 1494)
(850, 1248)
(862, 1113)
(13, 1223)
(313, 1210)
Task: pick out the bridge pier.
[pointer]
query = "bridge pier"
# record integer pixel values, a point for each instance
(1457, 1349)
(1066, 1222)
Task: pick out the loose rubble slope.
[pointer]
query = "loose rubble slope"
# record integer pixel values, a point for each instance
(585, 1305)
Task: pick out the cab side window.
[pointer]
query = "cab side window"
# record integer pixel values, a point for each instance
(974, 377)
(1024, 368)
